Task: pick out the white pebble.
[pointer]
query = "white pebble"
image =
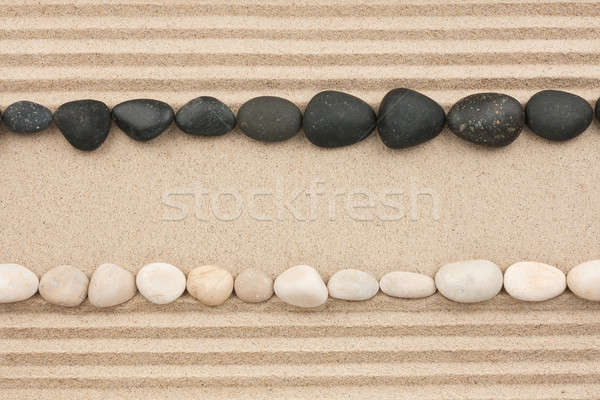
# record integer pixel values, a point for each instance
(301, 286)
(469, 281)
(407, 285)
(111, 285)
(160, 283)
(210, 284)
(352, 284)
(17, 283)
(534, 281)
(64, 285)
(584, 280)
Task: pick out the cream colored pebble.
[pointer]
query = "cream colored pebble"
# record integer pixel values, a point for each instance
(584, 280)
(407, 285)
(352, 284)
(64, 285)
(253, 286)
(160, 283)
(111, 285)
(17, 283)
(301, 286)
(534, 281)
(210, 284)
(469, 281)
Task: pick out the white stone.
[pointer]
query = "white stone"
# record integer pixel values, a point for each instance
(111, 285)
(407, 285)
(352, 284)
(17, 283)
(584, 280)
(534, 281)
(210, 284)
(64, 285)
(301, 286)
(469, 281)
(160, 283)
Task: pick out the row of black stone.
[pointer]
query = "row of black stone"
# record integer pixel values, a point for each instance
(331, 119)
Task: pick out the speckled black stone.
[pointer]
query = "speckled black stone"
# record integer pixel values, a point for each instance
(205, 116)
(269, 119)
(558, 115)
(143, 119)
(84, 123)
(490, 119)
(27, 117)
(408, 118)
(335, 119)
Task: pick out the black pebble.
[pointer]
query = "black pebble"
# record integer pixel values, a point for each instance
(491, 119)
(269, 119)
(27, 117)
(558, 115)
(408, 118)
(84, 123)
(598, 109)
(335, 119)
(143, 119)
(205, 116)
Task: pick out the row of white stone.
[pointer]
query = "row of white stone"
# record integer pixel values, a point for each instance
(464, 282)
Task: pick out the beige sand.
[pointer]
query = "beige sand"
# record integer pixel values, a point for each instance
(533, 200)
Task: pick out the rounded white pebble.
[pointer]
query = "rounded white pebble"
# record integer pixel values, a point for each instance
(64, 285)
(210, 284)
(352, 284)
(407, 285)
(301, 286)
(111, 285)
(584, 280)
(469, 281)
(17, 283)
(534, 281)
(160, 283)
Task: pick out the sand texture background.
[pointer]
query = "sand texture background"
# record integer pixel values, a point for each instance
(532, 200)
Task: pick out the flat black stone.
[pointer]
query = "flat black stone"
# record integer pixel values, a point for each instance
(408, 118)
(143, 119)
(27, 117)
(205, 116)
(490, 119)
(84, 123)
(335, 119)
(269, 119)
(558, 115)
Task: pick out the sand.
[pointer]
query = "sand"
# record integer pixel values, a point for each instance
(533, 200)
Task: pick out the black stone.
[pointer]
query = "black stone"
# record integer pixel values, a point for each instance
(143, 119)
(491, 119)
(27, 117)
(269, 119)
(84, 123)
(558, 115)
(598, 109)
(335, 119)
(205, 116)
(408, 118)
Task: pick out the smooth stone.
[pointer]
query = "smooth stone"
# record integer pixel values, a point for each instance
(64, 286)
(558, 115)
(491, 119)
(17, 283)
(210, 284)
(469, 281)
(253, 286)
(269, 119)
(301, 286)
(352, 284)
(160, 283)
(205, 116)
(335, 119)
(27, 117)
(84, 123)
(407, 285)
(584, 280)
(143, 119)
(111, 285)
(408, 118)
(534, 281)
(598, 109)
